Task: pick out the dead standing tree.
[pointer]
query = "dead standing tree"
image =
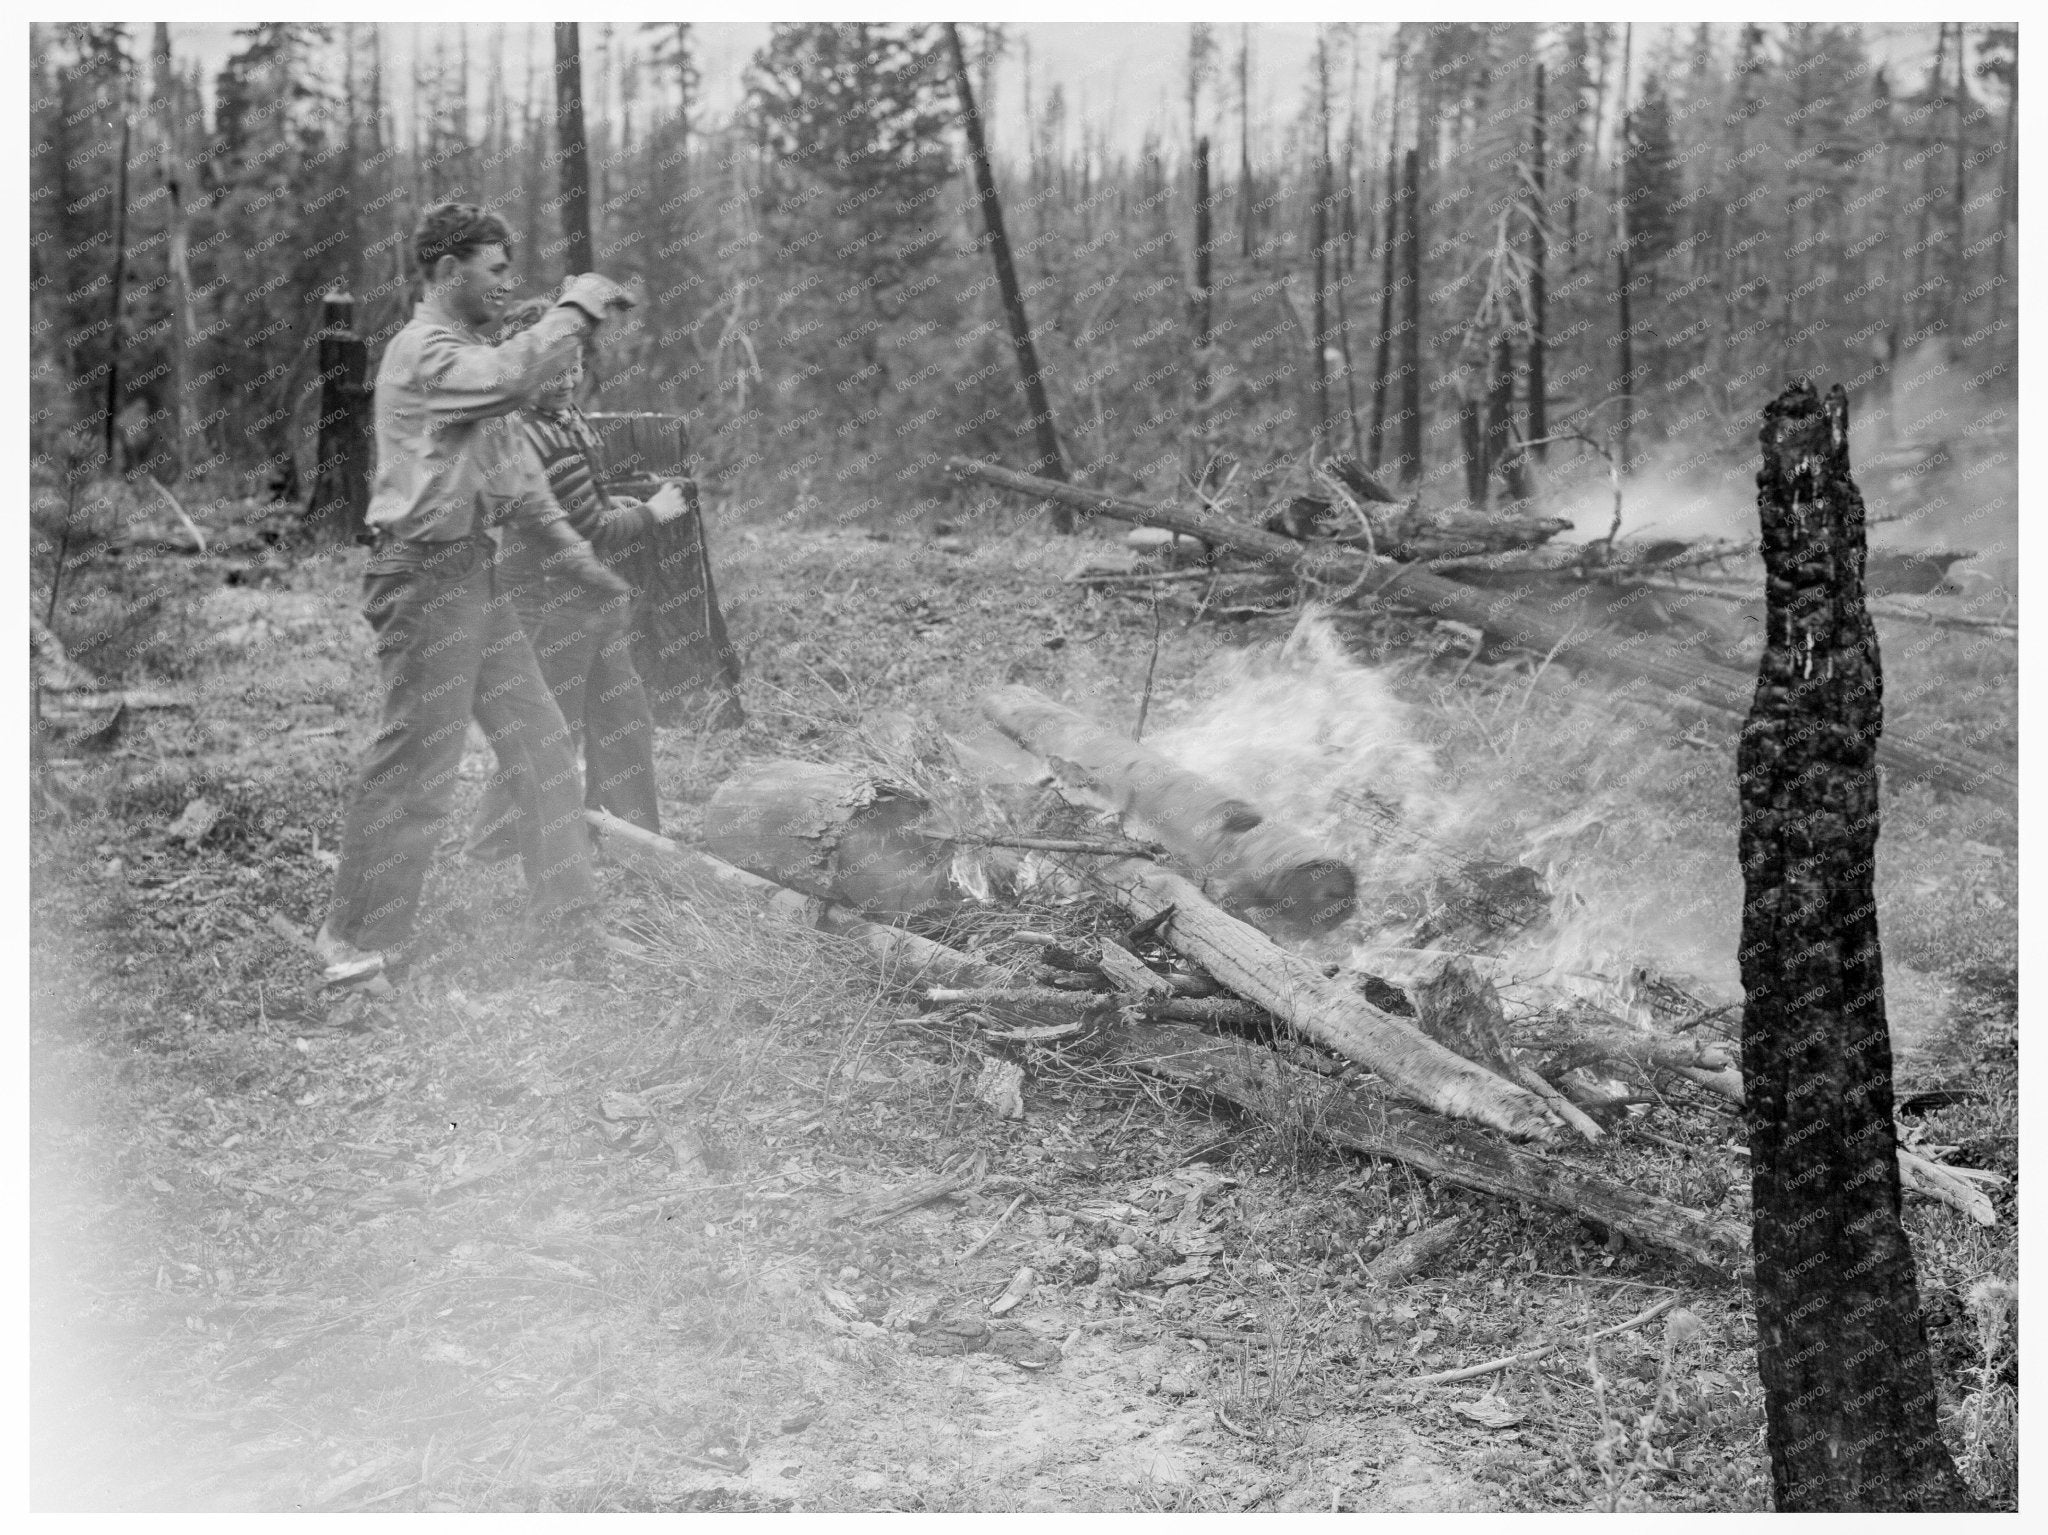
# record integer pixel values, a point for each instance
(1049, 462)
(572, 147)
(1841, 1345)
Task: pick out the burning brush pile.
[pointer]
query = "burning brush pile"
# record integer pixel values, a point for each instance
(1267, 906)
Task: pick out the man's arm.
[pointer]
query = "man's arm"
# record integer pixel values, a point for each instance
(470, 380)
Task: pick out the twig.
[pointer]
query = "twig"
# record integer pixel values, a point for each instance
(1527, 1356)
(1562, 1106)
(989, 1235)
(191, 527)
(1135, 577)
(1145, 703)
(1108, 847)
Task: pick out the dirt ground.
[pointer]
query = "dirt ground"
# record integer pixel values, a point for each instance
(538, 1236)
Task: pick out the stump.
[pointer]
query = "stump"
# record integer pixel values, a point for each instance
(1841, 1344)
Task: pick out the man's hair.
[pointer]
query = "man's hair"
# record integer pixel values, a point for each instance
(458, 230)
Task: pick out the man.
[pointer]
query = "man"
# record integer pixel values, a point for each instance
(450, 469)
(583, 646)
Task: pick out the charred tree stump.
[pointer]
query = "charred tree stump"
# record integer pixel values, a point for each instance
(1841, 1346)
(341, 478)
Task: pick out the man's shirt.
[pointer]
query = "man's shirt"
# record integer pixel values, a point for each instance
(449, 461)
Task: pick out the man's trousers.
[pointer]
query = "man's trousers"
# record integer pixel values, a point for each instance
(449, 645)
(585, 655)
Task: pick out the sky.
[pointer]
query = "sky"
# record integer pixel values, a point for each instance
(1124, 77)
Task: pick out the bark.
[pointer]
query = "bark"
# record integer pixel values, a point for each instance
(831, 834)
(1049, 461)
(573, 148)
(1408, 1062)
(1472, 448)
(903, 954)
(1204, 315)
(1272, 873)
(1685, 686)
(1258, 1081)
(1244, 138)
(1411, 321)
(1319, 233)
(1625, 382)
(1389, 252)
(117, 302)
(1842, 1347)
(1539, 257)
(177, 262)
(341, 476)
(1500, 406)
(1960, 283)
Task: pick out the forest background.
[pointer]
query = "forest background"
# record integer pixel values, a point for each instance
(1626, 233)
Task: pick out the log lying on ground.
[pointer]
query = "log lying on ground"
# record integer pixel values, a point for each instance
(894, 947)
(1576, 1032)
(1671, 683)
(1272, 874)
(1258, 1081)
(833, 834)
(1408, 1062)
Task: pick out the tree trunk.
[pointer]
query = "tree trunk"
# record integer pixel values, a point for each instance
(1244, 137)
(1049, 462)
(1500, 428)
(1319, 233)
(341, 477)
(117, 302)
(1539, 256)
(1408, 1062)
(1257, 1080)
(831, 834)
(1842, 1348)
(1625, 384)
(1411, 321)
(1472, 447)
(1680, 686)
(1275, 875)
(575, 152)
(177, 261)
(1959, 323)
(1390, 200)
(1204, 315)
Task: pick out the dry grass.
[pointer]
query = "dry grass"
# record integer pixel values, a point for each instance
(422, 1266)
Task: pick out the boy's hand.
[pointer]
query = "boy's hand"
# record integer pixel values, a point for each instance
(667, 503)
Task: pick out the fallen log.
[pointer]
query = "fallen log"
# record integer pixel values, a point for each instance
(832, 834)
(1272, 874)
(1047, 1000)
(896, 948)
(1258, 1081)
(1574, 1032)
(1669, 683)
(1408, 1062)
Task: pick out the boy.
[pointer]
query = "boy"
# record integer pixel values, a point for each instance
(584, 647)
